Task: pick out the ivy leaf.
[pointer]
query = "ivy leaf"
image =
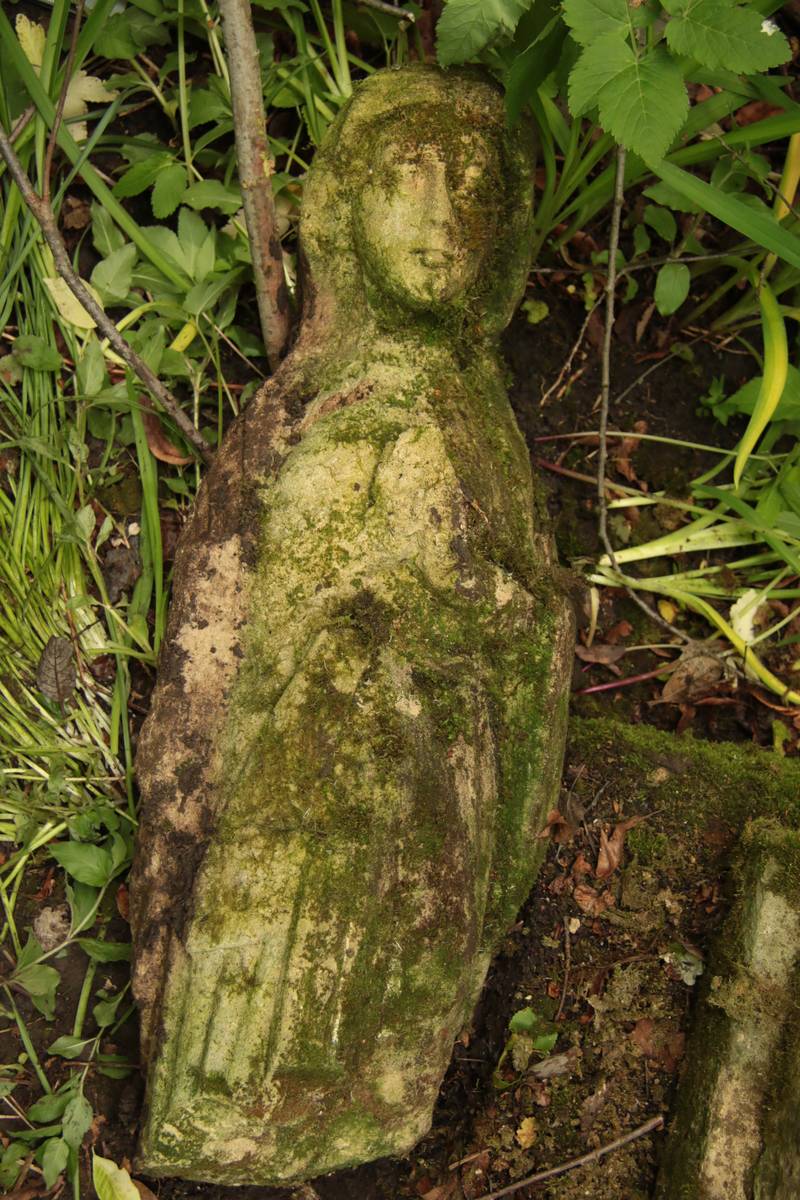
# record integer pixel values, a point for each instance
(84, 862)
(590, 19)
(672, 287)
(54, 1160)
(466, 27)
(605, 58)
(76, 1120)
(717, 34)
(112, 1182)
(645, 105)
(168, 190)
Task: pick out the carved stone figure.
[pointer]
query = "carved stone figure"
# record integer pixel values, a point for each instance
(359, 720)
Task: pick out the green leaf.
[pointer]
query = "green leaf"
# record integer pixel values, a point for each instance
(105, 952)
(662, 193)
(524, 1020)
(210, 193)
(662, 220)
(717, 34)
(67, 1046)
(112, 276)
(10, 1163)
(608, 56)
(49, 1108)
(82, 899)
(168, 190)
(672, 287)
(106, 236)
(466, 27)
(590, 19)
(112, 1182)
(205, 106)
(34, 352)
(54, 1160)
(760, 226)
(37, 979)
(776, 366)
(105, 1011)
(76, 1121)
(125, 34)
(91, 367)
(84, 862)
(141, 175)
(531, 67)
(645, 105)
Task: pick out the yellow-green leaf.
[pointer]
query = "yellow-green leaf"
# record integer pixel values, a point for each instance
(776, 368)
(69, 306)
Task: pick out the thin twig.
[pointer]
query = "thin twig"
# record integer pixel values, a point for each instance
(585, 1159)
(570, 357)
(381, 6)
(47, 222)
(62, 100)
(23, 120)
(567, 964)
(605, 395)
(255, 171)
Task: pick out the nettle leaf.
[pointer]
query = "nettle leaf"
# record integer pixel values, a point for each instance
(76, 1121)
(717, 34)
(645, 105)
(112, 276)
(590, 19)
(607, 56)
(55, 674)
(672, 287)
(466, 27)
(85, 862)
(168, 190)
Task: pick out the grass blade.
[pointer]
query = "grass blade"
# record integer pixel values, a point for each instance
(776, 366)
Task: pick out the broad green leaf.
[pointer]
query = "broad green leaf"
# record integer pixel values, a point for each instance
(532, 65)
(34, 352)
(645, 105)
(106, 236)
(82, 899)
(776, 364)
(105, 1011)
(672, 287)
(76, 1121)
(112, 1182)
(760, 226)
(54, 1160)
(466, 27)
(205, 106)
(91, 367)
(49, 1108)
(68, 1046)
(662, 221)
(718, 34)
(590, 19)
(670, 197)
(744, 400)
(605, 58)
(105, 952)
(210, 193)
(112, 277)
(524, 1020)
(85, 862)
(126, 33)
(141, 175)
(168, 190)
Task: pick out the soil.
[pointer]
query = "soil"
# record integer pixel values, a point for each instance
(604, 963)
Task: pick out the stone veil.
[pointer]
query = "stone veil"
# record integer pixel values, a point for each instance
(359, 720)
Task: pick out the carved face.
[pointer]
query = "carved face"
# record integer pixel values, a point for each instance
(426, 219)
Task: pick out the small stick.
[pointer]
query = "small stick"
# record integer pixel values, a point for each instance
(462, 1162)
(567, 964)
(627, 682)
(584, 1160)
(47, 222)
(62, 100)
(381, 6)
(570, 357)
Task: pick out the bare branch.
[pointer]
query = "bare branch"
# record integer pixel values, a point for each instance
(252, 152)
(47, 222)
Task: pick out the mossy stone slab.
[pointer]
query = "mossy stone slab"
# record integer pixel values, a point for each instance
(360, 715)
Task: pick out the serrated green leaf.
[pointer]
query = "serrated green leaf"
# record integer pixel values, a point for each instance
(112, 277)
(717, 34)
(466, 27)
(590, 19)
(211, 193)
(76, 1121)
(168, 190)
(105, 952)
(672, 287)
(141, 175)
(645, 105)
(608, 56)
(112, 1182)
(54, 1160)
(85, 862)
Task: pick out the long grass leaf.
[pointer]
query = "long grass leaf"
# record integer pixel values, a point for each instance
(776, 369)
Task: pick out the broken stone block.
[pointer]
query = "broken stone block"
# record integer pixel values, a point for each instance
(359, 720)
(724, 1133)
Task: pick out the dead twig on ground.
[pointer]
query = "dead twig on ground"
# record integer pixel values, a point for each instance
(255, 172)
(45, 217)
(570, 357)
(584, 1160)
(381, 6)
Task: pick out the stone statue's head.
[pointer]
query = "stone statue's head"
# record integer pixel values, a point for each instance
(420, 199)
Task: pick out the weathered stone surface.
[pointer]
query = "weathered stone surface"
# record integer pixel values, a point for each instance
(730, 1114)
(360, 714)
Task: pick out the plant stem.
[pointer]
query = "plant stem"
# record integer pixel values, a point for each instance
(62, 100)
(252, 152)
(44, 215)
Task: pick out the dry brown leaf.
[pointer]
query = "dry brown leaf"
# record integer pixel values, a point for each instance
(659, 1041)
(526, 1133)
(611, 848)
(160, 445)
(591, 902)
(557, 828)
(55, 675)
(618, 633)
(555, 1064)
(693, 678)
(606, 656)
